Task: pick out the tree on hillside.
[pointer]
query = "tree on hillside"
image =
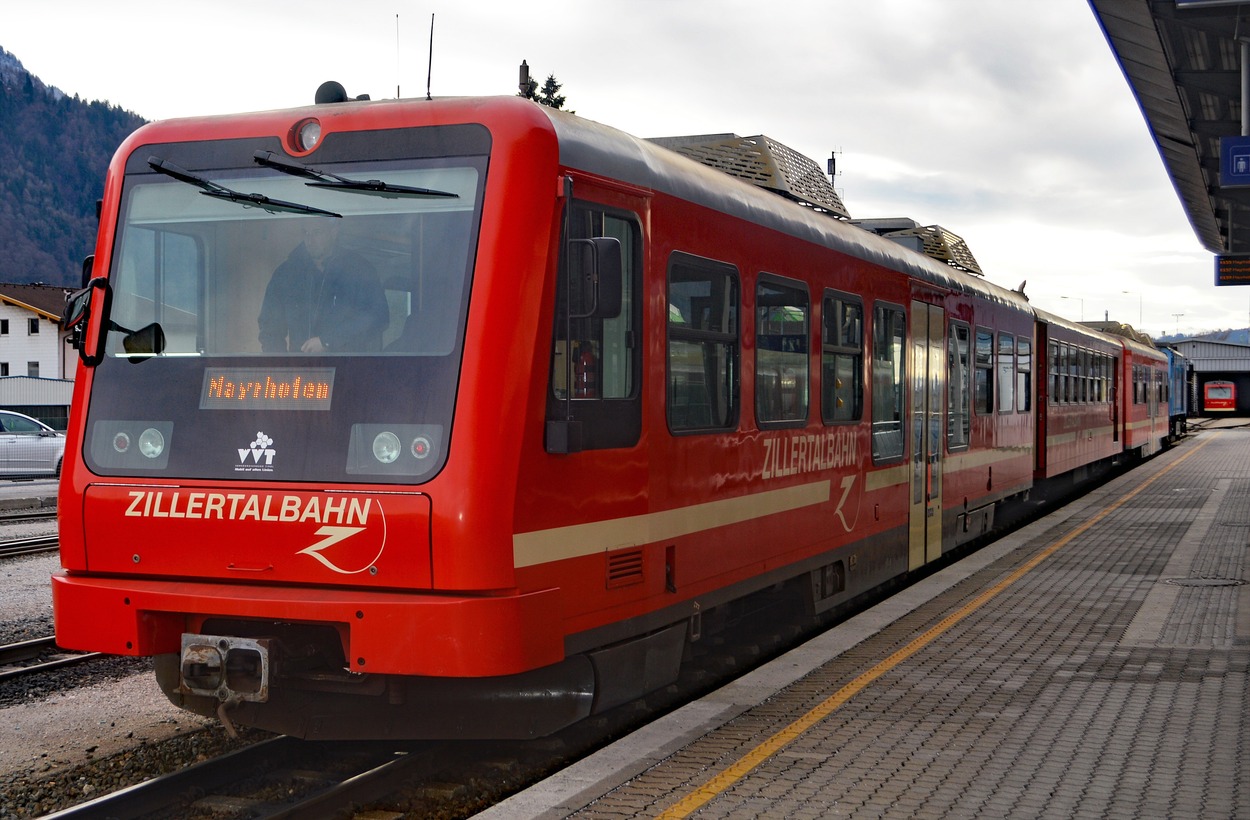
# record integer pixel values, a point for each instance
(549, 95)
(54, 153)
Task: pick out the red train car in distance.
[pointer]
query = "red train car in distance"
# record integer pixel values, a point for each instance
(468, 417)
(1144, 374)
(1219, 397)
(1079, 384)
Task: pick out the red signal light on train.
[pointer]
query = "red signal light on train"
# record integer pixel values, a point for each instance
(420, 447)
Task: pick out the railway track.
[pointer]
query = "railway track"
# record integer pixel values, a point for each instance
(37, 655)
(290, 778)
(28, 515)
(277, 778)
(28, 546)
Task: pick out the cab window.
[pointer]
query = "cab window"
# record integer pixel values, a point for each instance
(594, 401)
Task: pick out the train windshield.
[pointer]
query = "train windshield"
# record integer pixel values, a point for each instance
(309, 325)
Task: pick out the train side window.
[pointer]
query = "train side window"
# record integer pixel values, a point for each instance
(1087, 377)
(1076, 390)
(1072, 392)
(842, 358)
(1006, 373)
(702, 345)
(782, 312)
(888, 338)
(958, 386)
(597, 351)
(1052, 366)
(983, 379)
(1024, 375)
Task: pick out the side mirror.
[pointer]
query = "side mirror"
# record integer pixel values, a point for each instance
(77, 309)
(599, 277)
(144, 342)
(76, 318)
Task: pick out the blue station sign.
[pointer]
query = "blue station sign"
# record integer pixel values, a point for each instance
(1234, 162)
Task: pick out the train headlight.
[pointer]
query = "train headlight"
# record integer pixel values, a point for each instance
(307, 133)
(396, 448)
(151, 443)
(130, 444)
(386, 447)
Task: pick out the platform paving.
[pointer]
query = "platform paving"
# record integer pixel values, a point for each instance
(1093, 664)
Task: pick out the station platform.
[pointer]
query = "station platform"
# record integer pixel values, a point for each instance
(1095, 663)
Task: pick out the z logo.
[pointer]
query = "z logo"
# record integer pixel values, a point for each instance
(847, 483)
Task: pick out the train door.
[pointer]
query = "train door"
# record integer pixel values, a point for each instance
(928, 391)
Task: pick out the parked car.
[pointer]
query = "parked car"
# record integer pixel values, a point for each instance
(28, 446)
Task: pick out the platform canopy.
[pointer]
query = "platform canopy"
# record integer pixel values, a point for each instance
(1183, 60)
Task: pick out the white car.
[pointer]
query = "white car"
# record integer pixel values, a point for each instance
(28, 446)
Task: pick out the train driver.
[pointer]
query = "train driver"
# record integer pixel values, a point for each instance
(323, 298)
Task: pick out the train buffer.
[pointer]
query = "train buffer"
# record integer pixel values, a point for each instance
(1093, 663)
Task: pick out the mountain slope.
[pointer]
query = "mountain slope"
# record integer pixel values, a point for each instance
(54, 151)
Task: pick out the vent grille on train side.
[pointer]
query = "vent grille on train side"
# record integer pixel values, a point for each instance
(624, 568)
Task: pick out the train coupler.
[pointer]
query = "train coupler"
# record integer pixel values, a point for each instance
(226, 668)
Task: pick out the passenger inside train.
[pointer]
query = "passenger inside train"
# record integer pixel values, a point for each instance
(323, 298)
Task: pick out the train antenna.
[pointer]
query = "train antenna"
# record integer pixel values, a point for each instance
(429, 69)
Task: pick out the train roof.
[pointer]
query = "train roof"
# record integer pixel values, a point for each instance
(611, 153)
(601, 149)
(1075, 327)
(1116, 339)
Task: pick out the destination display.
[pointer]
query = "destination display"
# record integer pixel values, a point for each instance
(1232, 270)
(267, 388)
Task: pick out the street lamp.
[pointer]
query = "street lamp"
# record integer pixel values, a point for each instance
(1140, 321)
(1078, 299)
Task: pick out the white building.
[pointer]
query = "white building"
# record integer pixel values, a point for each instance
(36, 366)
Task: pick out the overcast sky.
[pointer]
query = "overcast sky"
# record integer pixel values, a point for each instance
(1007, 122)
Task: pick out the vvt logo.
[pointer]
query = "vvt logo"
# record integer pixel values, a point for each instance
(258, 456)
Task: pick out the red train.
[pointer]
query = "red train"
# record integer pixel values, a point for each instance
(1219, 397)
(611, 392)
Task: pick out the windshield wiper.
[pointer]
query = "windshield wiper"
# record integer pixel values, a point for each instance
(325, 179)
(222, 192)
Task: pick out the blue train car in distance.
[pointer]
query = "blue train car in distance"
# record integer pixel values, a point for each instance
(1180, 402)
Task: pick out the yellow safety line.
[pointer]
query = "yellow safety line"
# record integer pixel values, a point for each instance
(776, 742)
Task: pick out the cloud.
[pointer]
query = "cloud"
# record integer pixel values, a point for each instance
(1009, 123)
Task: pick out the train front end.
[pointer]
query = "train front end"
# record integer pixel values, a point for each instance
(274, 341)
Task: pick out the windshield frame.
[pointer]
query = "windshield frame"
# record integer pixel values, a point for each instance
(347, 418)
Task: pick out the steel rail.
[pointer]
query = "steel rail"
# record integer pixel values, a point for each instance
(28, 546)
(28, 650)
